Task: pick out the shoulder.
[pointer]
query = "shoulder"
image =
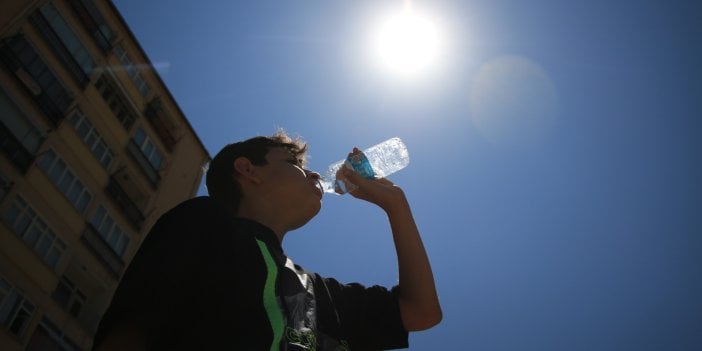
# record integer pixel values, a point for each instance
(202, 206)
(196, 212)
(186, 225)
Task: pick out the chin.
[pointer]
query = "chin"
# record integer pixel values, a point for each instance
(308, 217)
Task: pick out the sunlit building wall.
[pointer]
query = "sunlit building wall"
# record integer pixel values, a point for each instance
(93, 149)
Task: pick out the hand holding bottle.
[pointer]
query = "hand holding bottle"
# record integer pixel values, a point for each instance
(378, 161)
(378, 191)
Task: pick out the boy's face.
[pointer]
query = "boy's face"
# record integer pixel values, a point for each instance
(295, 190)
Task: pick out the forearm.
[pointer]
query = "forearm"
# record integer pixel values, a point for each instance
(419, 303)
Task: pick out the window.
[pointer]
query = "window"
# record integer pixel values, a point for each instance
(49, 93)
(68, 296)
(18, 124)
(114, 98)
(48, 336)
(66, 181)
(15, 310)
(94, 23)
(163, 124)
(133, 71)
(127, 196)
(33, 230)
(115, 237)
(148, 148)
(64, 42)
(145, 153)
(91, 138)
(19, 138)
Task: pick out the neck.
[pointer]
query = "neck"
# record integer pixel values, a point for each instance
(264, 215)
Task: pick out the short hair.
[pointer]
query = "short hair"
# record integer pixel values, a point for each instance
(221, 178)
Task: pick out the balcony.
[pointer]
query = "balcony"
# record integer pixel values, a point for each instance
(14, 150)
(97, 245)
(162, 123)
(94, 23)
(129, 208)
(57, 41)
(116, 100)
(41, 84)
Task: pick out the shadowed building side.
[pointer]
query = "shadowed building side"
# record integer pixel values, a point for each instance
(93, 149)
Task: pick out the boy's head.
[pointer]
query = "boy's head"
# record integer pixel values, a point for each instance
(221, 178)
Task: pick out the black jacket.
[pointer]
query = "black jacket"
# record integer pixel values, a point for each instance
(202, 280)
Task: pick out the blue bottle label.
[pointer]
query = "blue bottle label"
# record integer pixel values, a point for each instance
(359, 162)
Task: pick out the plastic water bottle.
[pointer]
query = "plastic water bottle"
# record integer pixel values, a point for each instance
(378, 161)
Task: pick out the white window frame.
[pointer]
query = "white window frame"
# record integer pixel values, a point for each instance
(91, 138)
(14, 305)
(75, 295)
(19, 124)
(65, 180)
(34, 231)
(68, 38)
(148, 148)
(133, 71)
(110, 231)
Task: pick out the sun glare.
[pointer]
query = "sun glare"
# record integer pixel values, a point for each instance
(407, 43)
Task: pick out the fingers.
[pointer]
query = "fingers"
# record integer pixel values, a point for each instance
(354, 152)
(353, 176)
(357, 178)
(359, 182)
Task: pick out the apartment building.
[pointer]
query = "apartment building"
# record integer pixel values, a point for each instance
(93, 149)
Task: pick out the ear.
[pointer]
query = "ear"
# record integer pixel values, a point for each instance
(246, 170)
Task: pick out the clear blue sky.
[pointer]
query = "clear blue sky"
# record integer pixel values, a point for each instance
(556, 168)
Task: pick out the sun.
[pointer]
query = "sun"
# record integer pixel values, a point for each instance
(407, 43)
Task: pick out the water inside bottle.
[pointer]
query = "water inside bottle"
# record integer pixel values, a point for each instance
(332, 185)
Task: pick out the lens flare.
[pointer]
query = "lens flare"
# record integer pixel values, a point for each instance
(513, 101)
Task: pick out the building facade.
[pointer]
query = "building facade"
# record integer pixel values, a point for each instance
(93, 149)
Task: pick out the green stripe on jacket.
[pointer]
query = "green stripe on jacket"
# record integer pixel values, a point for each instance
(270, 302)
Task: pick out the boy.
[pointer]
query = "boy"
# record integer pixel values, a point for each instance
(212, 272)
